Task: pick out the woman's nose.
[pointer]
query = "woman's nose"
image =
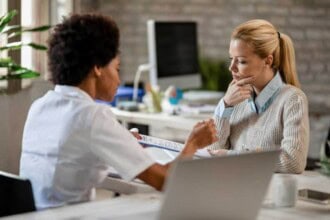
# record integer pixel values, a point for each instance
(232, 66)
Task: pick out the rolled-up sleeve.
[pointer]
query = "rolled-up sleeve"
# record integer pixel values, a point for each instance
(117, 147)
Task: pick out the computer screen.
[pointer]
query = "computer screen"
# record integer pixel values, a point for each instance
(173, 54)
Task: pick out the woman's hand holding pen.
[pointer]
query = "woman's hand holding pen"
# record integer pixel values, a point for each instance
(238, 91)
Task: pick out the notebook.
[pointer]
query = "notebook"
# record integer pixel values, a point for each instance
(228, 187)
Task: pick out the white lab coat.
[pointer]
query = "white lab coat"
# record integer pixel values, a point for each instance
(69, 144)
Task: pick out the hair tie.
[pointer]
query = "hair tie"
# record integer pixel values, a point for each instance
(279, 35)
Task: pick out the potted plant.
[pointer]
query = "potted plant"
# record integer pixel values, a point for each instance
(215, 74)
(12, 71)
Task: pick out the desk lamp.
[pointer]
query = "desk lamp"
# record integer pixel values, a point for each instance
(141, 68)
(133, 105)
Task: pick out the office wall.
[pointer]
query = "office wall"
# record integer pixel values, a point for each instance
(14, 109)
(307, 22)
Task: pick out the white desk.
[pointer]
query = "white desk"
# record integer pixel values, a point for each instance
(173, 127)
(166, 120)
(146, 206)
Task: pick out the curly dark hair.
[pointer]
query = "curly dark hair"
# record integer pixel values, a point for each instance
(78, 44)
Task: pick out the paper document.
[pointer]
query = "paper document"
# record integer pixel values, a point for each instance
(149, 141)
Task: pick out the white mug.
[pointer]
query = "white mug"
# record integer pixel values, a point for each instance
(285, 190)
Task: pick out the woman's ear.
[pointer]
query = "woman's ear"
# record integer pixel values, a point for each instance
(269, 60)
(97, 71)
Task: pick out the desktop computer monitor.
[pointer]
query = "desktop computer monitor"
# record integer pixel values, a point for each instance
(173, 54)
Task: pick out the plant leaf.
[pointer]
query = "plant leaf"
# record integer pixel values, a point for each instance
(23, 75)
(12, 46)
(37, 46)
(35, 29)
(4, 62)
(4, 20)
(16, 71)
(11, 28)
(19, 72)
(18, 45)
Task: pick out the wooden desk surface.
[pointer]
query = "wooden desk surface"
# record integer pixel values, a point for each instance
(145, 206)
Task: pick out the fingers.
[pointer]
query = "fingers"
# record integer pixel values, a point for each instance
(247, 87)
(135, 130)
(206, 122)
(135, 133)
(203, 134)
(237, 96)
(232, 82)
(210, 124)
(219, 152)
(238, 91)
(245, 81)
(244, 94)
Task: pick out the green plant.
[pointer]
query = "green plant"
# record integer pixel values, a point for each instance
(14, 70)
(215, 74)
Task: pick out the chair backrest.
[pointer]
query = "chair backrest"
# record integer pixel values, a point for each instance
(16, 195)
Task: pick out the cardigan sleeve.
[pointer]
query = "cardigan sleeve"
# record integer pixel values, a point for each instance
(294, 144)
(221, 118)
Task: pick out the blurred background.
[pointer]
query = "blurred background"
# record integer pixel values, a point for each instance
(307, 22)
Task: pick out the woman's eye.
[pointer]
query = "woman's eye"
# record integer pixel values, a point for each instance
(242, 62)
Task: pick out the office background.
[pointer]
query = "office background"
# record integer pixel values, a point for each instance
(306, 21)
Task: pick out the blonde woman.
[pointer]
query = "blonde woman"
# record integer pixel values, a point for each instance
(263, 108)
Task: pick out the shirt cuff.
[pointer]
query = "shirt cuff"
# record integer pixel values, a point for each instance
(223, 112)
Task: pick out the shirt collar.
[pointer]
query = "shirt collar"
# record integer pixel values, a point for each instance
(260, 103)
(72, 91)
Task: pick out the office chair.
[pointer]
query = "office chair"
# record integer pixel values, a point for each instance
(15, 195)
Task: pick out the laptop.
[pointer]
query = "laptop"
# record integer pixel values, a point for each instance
(228, 187)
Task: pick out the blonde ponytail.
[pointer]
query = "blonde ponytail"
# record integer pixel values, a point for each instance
(287, 65)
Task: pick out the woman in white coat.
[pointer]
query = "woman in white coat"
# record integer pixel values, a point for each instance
(69, 141)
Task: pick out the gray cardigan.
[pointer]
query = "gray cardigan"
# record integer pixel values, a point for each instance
(284, 125)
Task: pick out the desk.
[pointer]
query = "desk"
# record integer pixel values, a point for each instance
(156, 119)
(172, 127)
(146, 206)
